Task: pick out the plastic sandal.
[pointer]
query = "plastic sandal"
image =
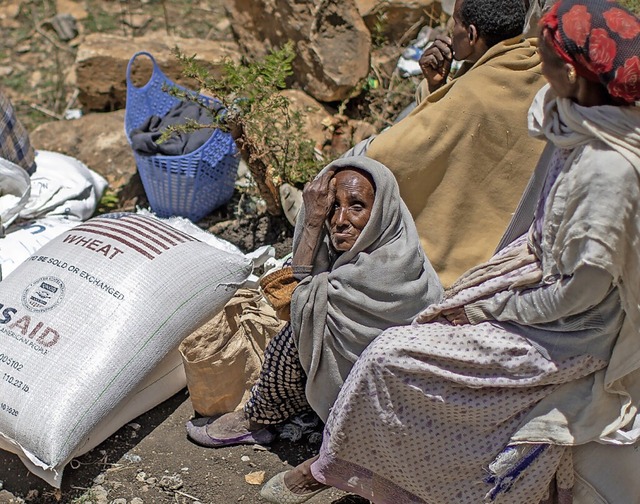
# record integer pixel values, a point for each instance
(199, 434)
(276, 492)
(291, 200)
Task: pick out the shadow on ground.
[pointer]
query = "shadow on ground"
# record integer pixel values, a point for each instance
(151, 459)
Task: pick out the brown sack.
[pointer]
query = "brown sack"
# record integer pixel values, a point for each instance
(222, 359)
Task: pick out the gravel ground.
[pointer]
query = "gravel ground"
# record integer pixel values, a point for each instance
(150, 460)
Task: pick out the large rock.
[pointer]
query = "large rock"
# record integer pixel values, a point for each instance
(332, 42)
(314, 115)
(398, 21)
(101, 64)
(344, 134)
(9, 12)
(73, 7)
(98, 140)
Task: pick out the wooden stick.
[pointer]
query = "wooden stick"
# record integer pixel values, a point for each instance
(52, 41)
(46, 111)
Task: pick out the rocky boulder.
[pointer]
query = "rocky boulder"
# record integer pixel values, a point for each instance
(76, 9)
(333, 44)
(398, 21)
(313, 113)
(101, 64)
(98, 140)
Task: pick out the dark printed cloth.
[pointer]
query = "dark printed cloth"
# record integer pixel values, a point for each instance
(601, 39)
(14, 139)
(144, 139)
(279, 392)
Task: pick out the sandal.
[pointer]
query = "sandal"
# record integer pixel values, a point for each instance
(199, 434)
(291, 200)
(275, 491)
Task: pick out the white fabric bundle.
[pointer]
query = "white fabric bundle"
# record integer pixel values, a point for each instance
(61, 194)
(63, 186)
(15, 188)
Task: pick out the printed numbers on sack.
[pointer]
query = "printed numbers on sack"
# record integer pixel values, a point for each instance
(8, 409)
(10, 362)
(19, 384)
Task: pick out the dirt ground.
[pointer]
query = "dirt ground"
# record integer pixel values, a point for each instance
(151, 461)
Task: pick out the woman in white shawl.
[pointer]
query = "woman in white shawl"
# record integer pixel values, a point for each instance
(538, 349)
(357, 269)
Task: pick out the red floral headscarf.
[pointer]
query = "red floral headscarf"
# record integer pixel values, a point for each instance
(601, 39)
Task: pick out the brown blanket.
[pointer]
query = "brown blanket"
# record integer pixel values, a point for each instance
(463, 157)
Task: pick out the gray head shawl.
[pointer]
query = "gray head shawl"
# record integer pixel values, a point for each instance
(385, 280)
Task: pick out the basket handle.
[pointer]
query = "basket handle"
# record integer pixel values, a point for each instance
(156, 69)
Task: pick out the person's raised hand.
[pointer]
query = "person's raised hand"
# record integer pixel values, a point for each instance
(456, 316)
(435, 62)
(318, 197)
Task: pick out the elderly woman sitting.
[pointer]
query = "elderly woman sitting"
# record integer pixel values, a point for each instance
(535, 351)
(357, 269)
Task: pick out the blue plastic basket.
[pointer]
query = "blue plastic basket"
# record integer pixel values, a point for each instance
(192, 185)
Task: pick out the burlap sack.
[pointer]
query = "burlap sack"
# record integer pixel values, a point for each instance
(222, 359)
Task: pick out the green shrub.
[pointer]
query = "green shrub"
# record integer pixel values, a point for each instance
(632, 5)
(269, 134)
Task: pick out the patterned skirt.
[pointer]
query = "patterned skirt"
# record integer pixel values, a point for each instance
(427, 413)
(279, 393)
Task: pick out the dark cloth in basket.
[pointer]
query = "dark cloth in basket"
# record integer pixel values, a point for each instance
(144, 139)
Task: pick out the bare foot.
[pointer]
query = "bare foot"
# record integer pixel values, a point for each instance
(300, 480)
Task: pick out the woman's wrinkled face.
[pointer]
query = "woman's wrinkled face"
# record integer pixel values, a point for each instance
(351, 210)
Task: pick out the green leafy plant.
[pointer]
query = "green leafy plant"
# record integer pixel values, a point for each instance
(98, 20)
(378, 33)
(270, 135)
(108, 203)
(632, 5)
(89, 497)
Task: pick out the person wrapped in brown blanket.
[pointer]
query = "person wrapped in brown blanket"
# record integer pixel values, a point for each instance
(463, 156)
